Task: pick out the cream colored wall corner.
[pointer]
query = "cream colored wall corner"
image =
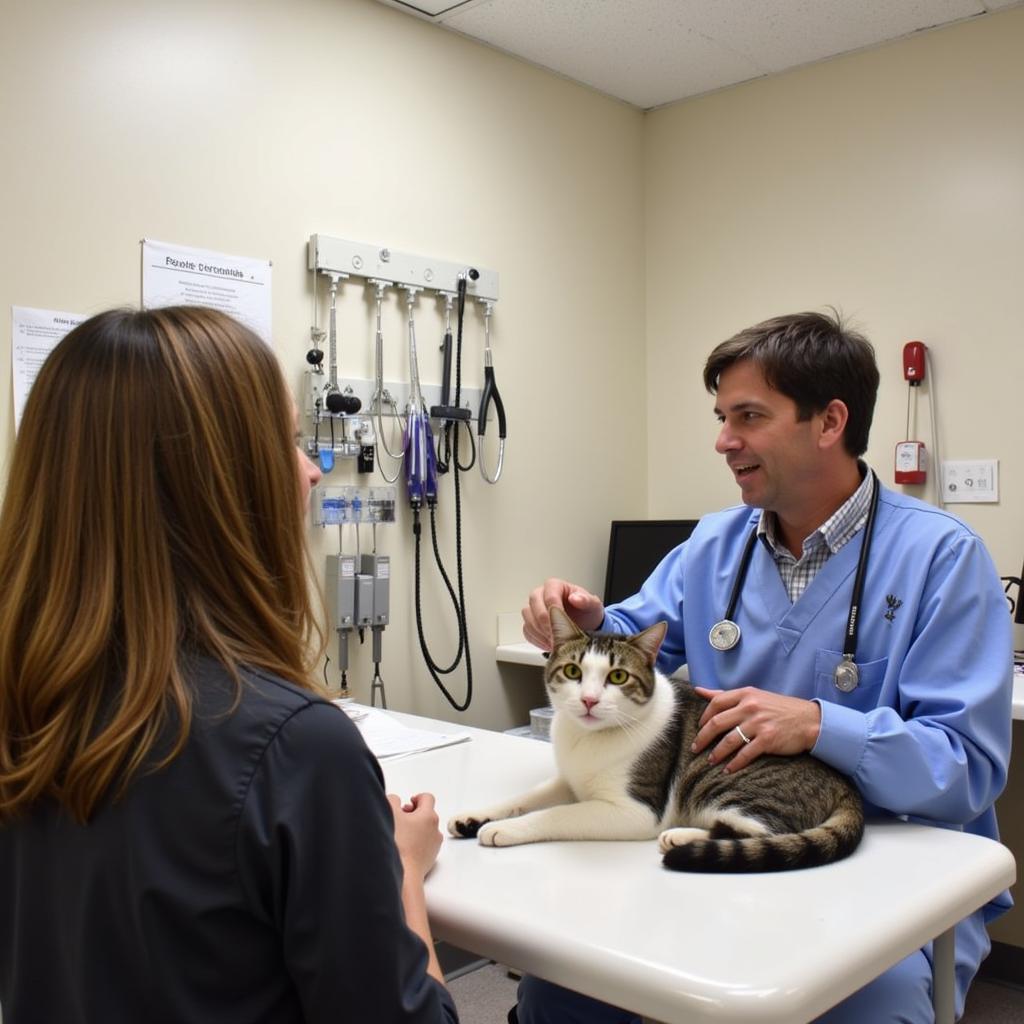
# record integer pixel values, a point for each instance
(246, 127)
(886, 183)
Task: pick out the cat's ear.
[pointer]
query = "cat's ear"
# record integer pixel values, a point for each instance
(563, 629)
(650, 640)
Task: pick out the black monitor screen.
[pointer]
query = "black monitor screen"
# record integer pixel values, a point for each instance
(635, 548)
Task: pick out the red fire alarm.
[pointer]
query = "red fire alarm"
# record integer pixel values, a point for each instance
(913, 362)
(911, 462)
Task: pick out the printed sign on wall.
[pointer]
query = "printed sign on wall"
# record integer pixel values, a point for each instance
(34, 335)
(176, 275)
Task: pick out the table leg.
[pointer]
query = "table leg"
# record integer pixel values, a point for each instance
(944, 978)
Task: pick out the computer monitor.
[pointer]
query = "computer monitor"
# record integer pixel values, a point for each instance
(635, 547)
(1018, 615)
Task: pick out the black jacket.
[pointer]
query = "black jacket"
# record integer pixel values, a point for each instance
(254, 879)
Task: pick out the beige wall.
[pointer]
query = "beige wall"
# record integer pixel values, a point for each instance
(1010, 928)
(887, 184)
(244, 127)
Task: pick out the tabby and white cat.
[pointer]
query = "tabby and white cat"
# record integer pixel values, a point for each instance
(622, 734)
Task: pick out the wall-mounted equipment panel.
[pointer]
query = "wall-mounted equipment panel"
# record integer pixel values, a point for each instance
(358, 259)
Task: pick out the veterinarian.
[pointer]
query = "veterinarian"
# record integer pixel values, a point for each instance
(902, 681)
(182, 814)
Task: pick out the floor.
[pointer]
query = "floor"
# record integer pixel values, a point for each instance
(484, 995)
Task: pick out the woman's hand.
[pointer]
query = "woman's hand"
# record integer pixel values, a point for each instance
(417, 834)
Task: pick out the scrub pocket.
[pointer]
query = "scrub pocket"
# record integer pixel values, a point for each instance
(864, 696)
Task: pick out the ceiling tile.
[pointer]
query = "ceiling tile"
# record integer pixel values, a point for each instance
(652, 52)
(637, 50)
(782, 34)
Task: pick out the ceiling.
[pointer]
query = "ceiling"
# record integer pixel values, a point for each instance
(652, 52)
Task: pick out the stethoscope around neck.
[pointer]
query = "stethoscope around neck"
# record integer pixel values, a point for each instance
(725, 635)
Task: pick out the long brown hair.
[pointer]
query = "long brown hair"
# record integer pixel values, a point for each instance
(153, 512)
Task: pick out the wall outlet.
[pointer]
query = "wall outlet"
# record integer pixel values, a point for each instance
(974, 480)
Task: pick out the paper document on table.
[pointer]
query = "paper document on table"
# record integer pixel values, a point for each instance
(387, 737)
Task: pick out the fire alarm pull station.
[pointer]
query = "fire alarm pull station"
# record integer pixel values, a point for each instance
(911, 463)
(911, 457)
(913, 362)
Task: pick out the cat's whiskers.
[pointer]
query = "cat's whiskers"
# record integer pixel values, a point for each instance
(629, 724)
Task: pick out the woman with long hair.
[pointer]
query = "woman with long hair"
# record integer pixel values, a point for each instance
(189, 831)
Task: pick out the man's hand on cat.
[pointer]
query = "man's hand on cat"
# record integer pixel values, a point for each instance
(584, 608)
(773, 724)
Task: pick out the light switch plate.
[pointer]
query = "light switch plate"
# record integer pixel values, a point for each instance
(970, 480)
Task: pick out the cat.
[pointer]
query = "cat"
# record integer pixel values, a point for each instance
(622, 733)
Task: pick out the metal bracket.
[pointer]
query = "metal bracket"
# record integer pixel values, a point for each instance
(363, 390)
(340, 256)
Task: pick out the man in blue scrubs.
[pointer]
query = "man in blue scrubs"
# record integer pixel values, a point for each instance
(925, 730)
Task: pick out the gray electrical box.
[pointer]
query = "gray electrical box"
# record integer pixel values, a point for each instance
(378, 568)
(341, 590)
(364, 600)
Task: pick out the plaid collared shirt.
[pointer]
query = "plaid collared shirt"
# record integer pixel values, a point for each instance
(819, 547)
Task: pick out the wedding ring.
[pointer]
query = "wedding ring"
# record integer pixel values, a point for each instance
(746, 739)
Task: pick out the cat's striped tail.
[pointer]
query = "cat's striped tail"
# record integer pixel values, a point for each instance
(725, 850)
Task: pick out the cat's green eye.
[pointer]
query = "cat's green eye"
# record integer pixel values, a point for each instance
(572, 670)
(618, 676)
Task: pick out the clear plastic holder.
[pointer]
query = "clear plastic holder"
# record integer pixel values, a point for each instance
(340, 506)
(380, 504)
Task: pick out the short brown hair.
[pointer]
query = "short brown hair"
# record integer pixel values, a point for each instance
(812, 359)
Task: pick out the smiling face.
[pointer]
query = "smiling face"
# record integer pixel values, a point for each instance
(777, 459)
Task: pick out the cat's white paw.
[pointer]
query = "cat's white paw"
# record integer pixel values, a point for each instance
(507, 832)
(679, 837)
(466, 826)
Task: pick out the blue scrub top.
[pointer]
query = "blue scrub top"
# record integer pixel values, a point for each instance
(926, 734)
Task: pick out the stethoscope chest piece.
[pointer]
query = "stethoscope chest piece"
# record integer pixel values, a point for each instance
(724, 635)
(846, 675)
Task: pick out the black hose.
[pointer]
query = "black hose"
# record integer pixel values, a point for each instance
(459, 600)
(435, 670)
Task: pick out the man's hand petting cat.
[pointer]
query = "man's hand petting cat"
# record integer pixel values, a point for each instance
(584, 608)
(769, 723)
